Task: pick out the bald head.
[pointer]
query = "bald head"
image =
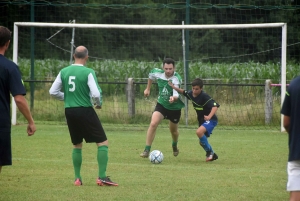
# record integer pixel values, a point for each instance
(81, 52)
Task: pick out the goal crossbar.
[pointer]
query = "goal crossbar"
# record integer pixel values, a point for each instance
(181, 27)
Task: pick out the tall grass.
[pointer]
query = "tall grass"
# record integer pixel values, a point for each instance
(240, 105)
(108, 70)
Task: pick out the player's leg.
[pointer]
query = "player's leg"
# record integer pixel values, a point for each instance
(174, 117)
(156, 118)
(94, 133)
(207, 127)
(295, 196)
(102, 158)
(293, 184)
(175, 135)
(77, 161)
(76, 124)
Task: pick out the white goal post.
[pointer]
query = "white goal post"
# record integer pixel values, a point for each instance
(180, 27)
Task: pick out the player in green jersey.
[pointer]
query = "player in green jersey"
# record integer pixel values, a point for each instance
(168, 105)
(81, 89)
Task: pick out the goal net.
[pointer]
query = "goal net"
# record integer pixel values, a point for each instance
(234, 60)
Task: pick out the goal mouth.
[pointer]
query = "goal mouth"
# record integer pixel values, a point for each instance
(146, 46)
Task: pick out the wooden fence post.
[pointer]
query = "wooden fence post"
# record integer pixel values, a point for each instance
(268, 102)
(130, 97)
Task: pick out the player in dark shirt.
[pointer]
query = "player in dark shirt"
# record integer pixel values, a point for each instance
(291, 111)
(10, 84)
(205, 108)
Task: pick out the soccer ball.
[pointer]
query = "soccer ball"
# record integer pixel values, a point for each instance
(156, 157)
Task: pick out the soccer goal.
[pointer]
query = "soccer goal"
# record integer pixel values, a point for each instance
(197, 49)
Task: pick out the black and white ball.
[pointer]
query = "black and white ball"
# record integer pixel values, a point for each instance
(156, 157)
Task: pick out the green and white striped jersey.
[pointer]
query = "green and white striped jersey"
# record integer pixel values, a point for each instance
(165, 90)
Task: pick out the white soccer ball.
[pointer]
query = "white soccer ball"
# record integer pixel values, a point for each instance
(156, 157)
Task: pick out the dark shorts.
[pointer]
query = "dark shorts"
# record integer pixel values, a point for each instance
(83, 123)
(5, 149)
(172, 115)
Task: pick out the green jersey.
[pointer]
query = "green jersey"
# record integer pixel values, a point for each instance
(80, 87)
(165, 90)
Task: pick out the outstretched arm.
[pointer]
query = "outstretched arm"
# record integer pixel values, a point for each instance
(176, 88)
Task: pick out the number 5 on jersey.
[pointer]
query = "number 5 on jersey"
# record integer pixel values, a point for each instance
(72, 83)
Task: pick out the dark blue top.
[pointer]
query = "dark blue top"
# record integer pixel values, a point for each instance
(202, 104)
(291, 108)
(10, 82)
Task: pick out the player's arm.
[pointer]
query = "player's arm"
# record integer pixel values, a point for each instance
(24, 109)
(212, 112)
(176, 88)
(95, 90)
(56, 87)
(286, 123)
(286, 111)
(147, 90)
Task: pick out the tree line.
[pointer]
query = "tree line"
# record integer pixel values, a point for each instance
(125, 44)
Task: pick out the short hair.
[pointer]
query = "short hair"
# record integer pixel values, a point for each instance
(169, 61)
(81, 53)
(197, 82)
(5, 35)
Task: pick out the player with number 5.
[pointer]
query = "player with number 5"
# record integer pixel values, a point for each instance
(81, 91)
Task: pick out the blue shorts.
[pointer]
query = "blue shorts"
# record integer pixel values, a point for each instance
(209, 125)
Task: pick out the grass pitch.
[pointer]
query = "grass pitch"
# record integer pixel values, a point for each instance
(251, 166)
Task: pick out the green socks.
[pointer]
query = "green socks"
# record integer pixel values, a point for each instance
(147, 148)
(102, 158)
(174, 144)
(77, 160)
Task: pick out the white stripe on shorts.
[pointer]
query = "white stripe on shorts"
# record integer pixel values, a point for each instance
(293, 170)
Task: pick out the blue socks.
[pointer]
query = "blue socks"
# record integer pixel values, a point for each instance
(204, 143)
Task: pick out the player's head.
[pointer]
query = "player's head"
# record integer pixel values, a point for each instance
(81, 52)
(169, 67)
(197, 85)
(5, 35)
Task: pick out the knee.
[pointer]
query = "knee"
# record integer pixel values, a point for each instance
(103, 143)
(199, 133)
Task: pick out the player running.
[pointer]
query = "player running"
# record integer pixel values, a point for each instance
(205, 108)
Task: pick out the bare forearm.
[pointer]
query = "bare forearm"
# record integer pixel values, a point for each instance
(212, 112)
(149, 84)
(286, 123)
(23, 107)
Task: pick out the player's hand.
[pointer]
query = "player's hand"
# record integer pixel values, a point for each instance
(146, 92)
(31, 129)
(98, 107)
(206, 118)
(172, 99)
(171, 84)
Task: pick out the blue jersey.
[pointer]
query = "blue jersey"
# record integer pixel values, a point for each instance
(10, 82)
(291, 108)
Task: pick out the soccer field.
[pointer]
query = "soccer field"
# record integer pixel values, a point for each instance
(251, 166)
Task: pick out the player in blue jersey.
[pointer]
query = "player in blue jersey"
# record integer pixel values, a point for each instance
(291, 122)
(168, 105)
(205, 108)
(10, 83)
(81, 89)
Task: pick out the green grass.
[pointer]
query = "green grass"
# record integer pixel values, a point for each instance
(251, 166)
